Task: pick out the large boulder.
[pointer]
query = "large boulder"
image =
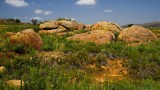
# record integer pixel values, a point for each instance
(60, 29)
(27, 38)
(97, 36)
(70, 25)
(107, 26)
(136, 34)
(49, 25)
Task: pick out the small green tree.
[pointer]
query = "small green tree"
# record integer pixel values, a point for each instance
(34, 21)
(130, 25)
(17, 21)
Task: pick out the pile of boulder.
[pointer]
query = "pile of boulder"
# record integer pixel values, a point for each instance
(107, 32)
(101, 32)
(59, 27)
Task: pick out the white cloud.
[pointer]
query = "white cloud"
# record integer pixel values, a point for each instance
(47, 12)
(17, 3)
(86, 2)
(38, 11)
(107, 11)
(38, 18)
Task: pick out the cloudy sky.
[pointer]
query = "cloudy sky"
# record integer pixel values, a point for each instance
(86, 11)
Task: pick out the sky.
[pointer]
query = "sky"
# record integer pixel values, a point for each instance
(85, 11)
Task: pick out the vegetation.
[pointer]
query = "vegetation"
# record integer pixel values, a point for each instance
(60, 19)
(155, 30)
(9, 21)
(34, 21)
(129, 25)
(68, 71)
(16, 27)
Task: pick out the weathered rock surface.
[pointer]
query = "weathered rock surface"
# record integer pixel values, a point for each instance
(81, 26)
(15, 83)
(137, 34)
(97, 36)
(60, 27)
(69, 24)
(28, 38)
(49, 25)
(107, 26)
(63, 24)
(8, 34)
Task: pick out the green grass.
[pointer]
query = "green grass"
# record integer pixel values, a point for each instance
(155, 30)
(16, 27)
(69, 73)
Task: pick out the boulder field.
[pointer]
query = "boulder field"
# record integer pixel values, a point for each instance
(102, 32)
(99, 33)
(106, 32)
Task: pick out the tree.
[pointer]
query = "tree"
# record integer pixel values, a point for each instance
(34, 21)
(17, 21)
(129, 25)
(67, 19)
(10, 20)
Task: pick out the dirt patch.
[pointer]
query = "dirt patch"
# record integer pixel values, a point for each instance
(114, 70)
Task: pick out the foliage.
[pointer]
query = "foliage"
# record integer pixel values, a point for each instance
(34, 21)
(129, 25)
(67, 19)
(9, 21)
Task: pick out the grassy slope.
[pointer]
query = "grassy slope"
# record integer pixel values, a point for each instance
(66, 73)
(156, 30)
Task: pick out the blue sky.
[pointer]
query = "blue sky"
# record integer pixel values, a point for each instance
(85, 11)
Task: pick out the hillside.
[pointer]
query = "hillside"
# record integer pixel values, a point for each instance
(67, 55)
(151, 24)
(147, 25)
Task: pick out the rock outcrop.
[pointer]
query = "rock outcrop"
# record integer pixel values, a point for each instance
(27, 38)
(49, 25)
(101, 32)
(69, 24)
(60, 27)
(107, 26)
(136, 34)
(97, 36)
